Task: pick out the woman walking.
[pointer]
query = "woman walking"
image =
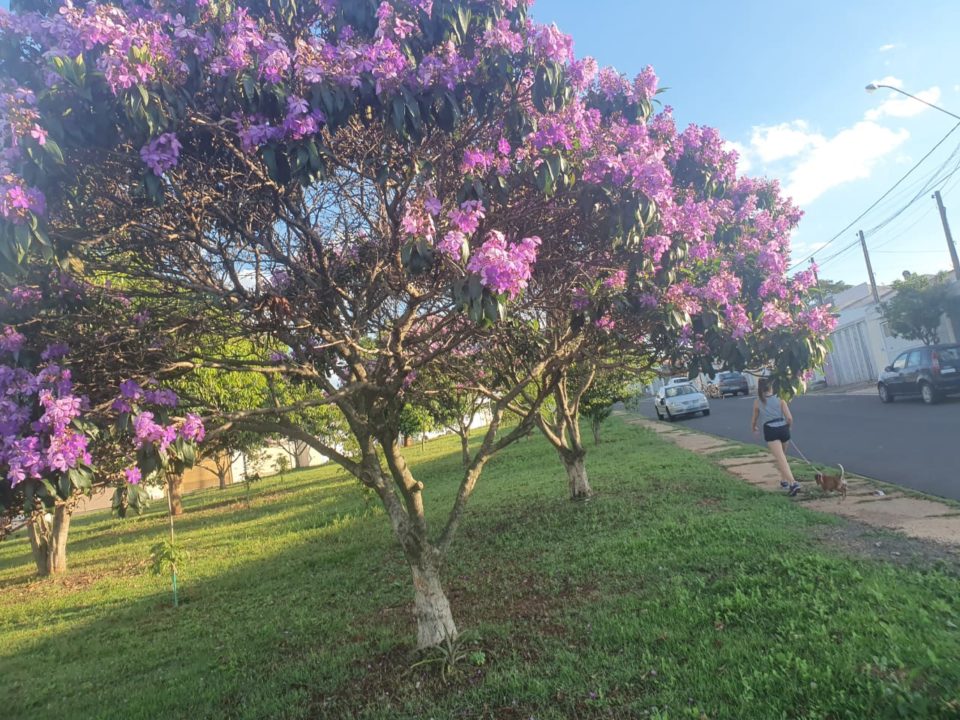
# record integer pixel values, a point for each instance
(774, 415)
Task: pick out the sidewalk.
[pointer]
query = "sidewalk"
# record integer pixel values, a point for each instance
(867, 388)
(913, 515)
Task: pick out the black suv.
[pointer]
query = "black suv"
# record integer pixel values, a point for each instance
(732, 383)
(930, 372)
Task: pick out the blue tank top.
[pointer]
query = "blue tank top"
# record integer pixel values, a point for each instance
(770, 412)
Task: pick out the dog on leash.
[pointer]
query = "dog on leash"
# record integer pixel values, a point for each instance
(833, 483)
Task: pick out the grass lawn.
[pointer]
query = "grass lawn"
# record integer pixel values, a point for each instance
(678, 592)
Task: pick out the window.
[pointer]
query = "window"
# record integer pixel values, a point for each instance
(885, 329)
(950, 355)
(900, 362)
(915, 359)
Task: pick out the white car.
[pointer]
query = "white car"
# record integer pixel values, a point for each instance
(674, 401)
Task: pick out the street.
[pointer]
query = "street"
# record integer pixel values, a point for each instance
(906, 443)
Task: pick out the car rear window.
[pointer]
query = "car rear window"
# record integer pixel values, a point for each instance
(950, 354)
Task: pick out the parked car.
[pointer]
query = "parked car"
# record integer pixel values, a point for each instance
(731, 383)
(676, 401)
(931, 372)
(673, 382)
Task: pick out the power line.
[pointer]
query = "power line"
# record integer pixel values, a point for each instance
(876, 202)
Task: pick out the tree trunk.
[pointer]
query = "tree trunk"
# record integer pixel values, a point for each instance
(48, 541)
(430, 606)
(176, 493)
(577, 477)
(465, 449)
(596, 431)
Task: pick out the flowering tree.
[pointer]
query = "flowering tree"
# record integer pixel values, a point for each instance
(391, 192)
(59, 434)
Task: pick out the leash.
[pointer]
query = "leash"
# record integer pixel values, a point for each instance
(800, 453)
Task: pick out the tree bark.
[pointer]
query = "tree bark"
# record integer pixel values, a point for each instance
(596, 431)
(577, 477)
(176, 494)
(430, 606)
(465, 449)
(48, 541)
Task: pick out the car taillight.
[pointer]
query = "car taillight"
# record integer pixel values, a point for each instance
(935, 361)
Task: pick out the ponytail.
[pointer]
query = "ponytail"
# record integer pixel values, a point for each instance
(763, 386)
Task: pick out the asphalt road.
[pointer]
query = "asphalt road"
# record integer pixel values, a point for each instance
(906, 443)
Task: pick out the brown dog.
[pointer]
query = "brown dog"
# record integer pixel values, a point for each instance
(831, 483)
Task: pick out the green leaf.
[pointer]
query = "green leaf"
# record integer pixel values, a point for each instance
(53, 150)
(189, 454)
(21, 235)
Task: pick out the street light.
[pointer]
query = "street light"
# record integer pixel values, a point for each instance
(873, 87)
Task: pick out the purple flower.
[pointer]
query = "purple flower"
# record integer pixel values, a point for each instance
(580, 300)
(133, 475)
(467, 218)
(451, 245)
(192, 428)
(55, 351)
(161, 153)
(505, 269)
(146, 431)
(39, 134)
(617, 281)
(476, 160)
(432, 206)
(131, 390)
(164, 398)
(20, 297)
(11, 341)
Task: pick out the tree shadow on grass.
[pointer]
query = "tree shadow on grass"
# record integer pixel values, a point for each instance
(319, 624)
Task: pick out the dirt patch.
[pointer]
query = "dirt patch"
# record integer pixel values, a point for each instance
(862, 540)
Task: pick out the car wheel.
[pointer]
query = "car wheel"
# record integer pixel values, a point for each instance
(885, 394)
(928, 393)
(657, 411)
(706, 412)
(670, 418)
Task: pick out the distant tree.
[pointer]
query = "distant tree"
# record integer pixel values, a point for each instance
(832, 287)
(916, 311)
(608, 388)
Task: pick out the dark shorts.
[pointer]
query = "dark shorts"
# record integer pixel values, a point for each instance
(779, 432)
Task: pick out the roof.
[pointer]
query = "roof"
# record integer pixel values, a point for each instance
(858, 296)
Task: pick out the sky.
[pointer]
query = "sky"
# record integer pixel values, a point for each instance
(784, 84)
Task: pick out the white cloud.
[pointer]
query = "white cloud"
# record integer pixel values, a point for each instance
(901, 107)
(849, 155)
(889, 80)
(888, 47)
(775, 142)
(743, 159)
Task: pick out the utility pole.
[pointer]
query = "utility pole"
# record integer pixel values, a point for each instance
(873, 280)
(946, 231)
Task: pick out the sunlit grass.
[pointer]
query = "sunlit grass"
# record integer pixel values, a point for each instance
(677, 590)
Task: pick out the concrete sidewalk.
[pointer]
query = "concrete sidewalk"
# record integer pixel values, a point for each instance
(868, 388)
(913, 515)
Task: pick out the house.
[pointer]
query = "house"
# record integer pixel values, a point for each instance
(862, 342)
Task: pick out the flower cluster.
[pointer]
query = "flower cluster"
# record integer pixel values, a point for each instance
(504, 268)
(161, 153)
(153, 432)
(38, 438)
